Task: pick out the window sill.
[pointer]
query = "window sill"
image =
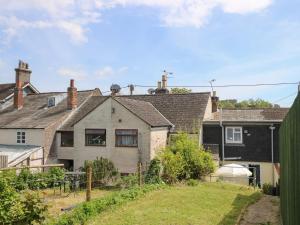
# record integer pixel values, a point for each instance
(235, 144)
(95, 145)
(127, 146)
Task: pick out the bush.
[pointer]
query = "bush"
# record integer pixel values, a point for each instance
(103, 170)
(153, 175)
(131, 180)
(183, 159)
(82, 213)
(267, 189)
(20, 208)
(192, 182)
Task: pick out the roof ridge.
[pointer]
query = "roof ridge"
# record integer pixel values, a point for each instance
(192, 93)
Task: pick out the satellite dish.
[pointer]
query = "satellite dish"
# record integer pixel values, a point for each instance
(151, 91)
(115, 88)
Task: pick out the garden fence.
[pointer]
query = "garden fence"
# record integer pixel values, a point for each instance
(290, 166)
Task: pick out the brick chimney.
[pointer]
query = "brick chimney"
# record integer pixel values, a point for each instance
(72, 96)
(18, 96)
(214, 102)
(23, 73)
(162, 86)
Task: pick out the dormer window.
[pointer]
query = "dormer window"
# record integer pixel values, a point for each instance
(21, 137)
(51, 102)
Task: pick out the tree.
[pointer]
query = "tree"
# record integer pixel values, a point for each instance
(180, 91)
(246, 104)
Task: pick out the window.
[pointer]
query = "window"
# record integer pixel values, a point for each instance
(127, 138)
(234, 135)
(95, 137)
(21, 137)
(67, 139)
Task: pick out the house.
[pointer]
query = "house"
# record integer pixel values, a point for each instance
(23, 74)
(126, 131)
(130, 129)
(28, 122)
(247, 137)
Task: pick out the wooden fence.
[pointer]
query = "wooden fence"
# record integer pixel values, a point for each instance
(290, 166)
(3, 161)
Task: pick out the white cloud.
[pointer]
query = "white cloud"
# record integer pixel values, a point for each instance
(73, 16)
(108, 71)
(72, 73)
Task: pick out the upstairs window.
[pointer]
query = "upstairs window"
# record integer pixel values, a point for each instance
(127, 138)
(95, 137)
(21, 137)
(67, 139)
(234, 135)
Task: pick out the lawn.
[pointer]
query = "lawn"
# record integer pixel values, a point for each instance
(206, 204)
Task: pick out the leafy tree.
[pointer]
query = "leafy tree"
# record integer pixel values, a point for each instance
(180, 91)
(183, 159)
(246, 104)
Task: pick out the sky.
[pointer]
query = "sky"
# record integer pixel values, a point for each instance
(104, 42)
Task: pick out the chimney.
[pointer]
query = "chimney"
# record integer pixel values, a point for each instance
(72, 96)
(23, 73)
(18, 96)
(164, 81)
(214, 102)
(162, 86)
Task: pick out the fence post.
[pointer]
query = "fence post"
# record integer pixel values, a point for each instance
(140, 173)
(88, 183)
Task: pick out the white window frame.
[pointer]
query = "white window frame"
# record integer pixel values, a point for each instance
(234, 141)
(20, 134)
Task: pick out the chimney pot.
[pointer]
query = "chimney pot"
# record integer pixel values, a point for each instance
(23, 73)
(159, 84)
(72, 96)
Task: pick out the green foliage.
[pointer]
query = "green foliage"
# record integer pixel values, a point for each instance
(267, 189)
(19, 208)
(245, 104)
(103, 170)
(180, 91)
(87, 210)
(192, 182)
(183, 159)
(154, 172)
(129, 181)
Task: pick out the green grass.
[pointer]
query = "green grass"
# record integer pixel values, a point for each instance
(206, 204)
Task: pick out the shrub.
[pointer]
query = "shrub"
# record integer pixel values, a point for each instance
(82, 213)
(183, 159)
(103, 170)
(153, 175)
(267, 189)
(19, 208)
(192, 182)
(131, 180)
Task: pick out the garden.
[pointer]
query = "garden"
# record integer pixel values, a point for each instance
(169, 192)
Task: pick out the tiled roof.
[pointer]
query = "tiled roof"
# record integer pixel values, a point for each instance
(143, 110)
(35, 113)
(251, 115)
(185, 111)
(6, 90)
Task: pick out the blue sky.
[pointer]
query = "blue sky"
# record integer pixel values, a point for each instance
(100, 42)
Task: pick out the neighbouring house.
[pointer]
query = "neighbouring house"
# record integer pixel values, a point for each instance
(23, 74)
(28, 122)
(247, 137)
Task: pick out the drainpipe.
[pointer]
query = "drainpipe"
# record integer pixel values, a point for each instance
(222, 127)
(272, 128)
